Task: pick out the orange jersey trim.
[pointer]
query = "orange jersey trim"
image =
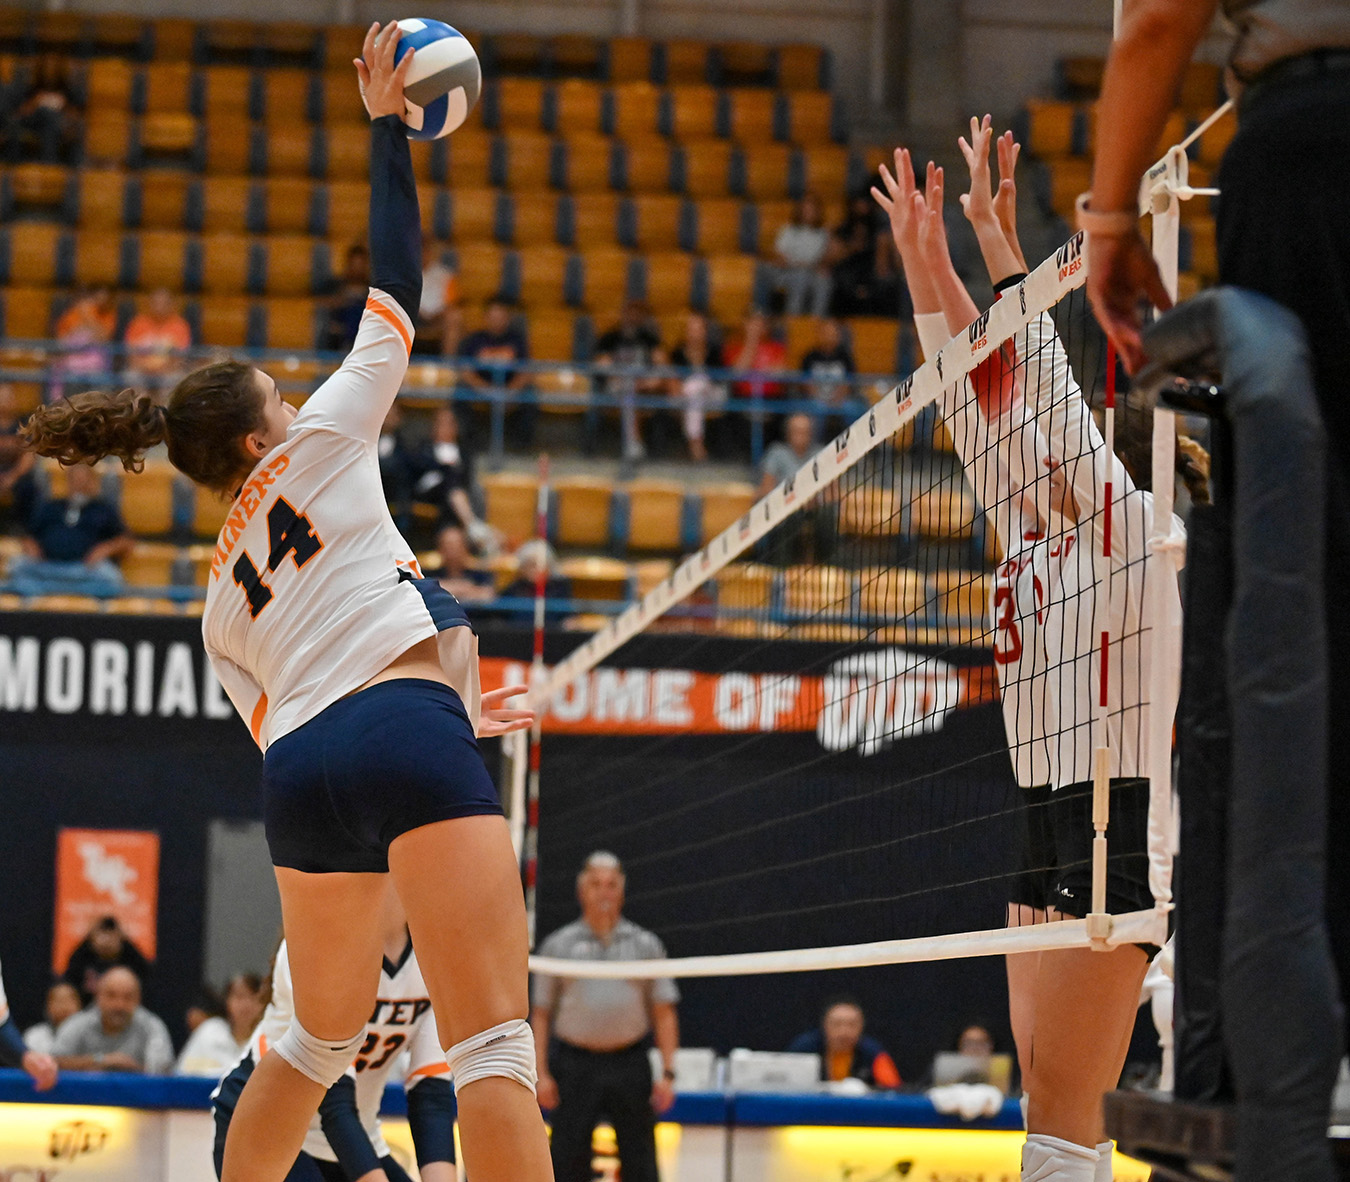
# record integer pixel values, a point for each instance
(431, 1069)
(255, 723)
(373, 305)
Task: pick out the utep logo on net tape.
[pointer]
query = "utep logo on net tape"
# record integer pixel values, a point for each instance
(903, 391)
(1069, 257)
(978, 332)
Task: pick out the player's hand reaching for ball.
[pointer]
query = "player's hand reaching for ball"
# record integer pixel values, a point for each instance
(380, 79)
(494, 718)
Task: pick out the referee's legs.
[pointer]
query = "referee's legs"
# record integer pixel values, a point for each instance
(628, 1104)
(578, 1112)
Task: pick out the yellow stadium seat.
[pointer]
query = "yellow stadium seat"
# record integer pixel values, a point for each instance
(669, 281)
(575, 53)
(28, 314)
(228, 91)
(285, 93)
(719, 225)
(723, 506)
(473, 215)
(968, 599)
(583, 504)
(658, 220)
(102, 194)
(875, 340)
(290, 265)
(1068, 178)
(535, 218)
(32, 253)
(340, 96)
(512, 502)
(825, 590)
(98, 258)
(1082, 75)
(163, 258)
(150, 564)
(744, 586)
(826, 167)
(479, 271)
(587, 163)
(811, 116)
(873, 511)
(348, 210)
(518, 53)
(168, 133)
(225, 204)
(528, 154)
(942, 514)
(1201, 87)
(470, 160)
(209, 511)
(224, 320)
(228, 148)
(342, 43)
(108, 83)
(348, 150)
(745, 61)
(291, 323)
(637, 109)
(606, 278)
(290, 149)
(115, 33)
(596, 578)
(1214, 142)
(647, 165)
(799, 67)
(168, 87)
(1050, 127)
(707, 168)
(147, 499)
(731, 284)
(694, 112)
(107, 133)
(655, 513)
(140, 605)
(595, 219)
(551, 334)
(752, 114)
(175, 39)
(286, 204)
(520, 103)
(39, 186)
(577, 106)
(686, 61)
(225, 263)
(892, 593)
(543, 271)
(630, 59)
(766, 171)
(63, 603)
(1204, 249)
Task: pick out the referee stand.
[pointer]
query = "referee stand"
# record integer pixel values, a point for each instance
(1258, 1015)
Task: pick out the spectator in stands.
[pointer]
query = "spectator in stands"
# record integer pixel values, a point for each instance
(348, 301)
(15, 1052)
(845, 1051)
(106, 946)
(761, 350)
(782, 459)
(496, 347)
(156, 341)
(73, 543)
(45, 125)
(446, 481)
(829, 362)
(116, 1033)
(220, 1039)
(530, 556)
(635, 342)
(591, 1037)
(398, 466)
(454, 573)
(699, 392)
(84, 333)
(17, 487)
(440, 293)
(63, 1001)
(975, 1041)
(801, 273)
(863, 263)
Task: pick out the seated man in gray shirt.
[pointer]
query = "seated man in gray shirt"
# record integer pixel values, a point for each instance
(115, 1033)
(597, 1066)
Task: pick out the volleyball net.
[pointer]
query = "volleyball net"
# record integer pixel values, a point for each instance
(811, 744)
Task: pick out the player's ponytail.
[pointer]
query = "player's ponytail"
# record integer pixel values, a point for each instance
(207, 417)
(84, 428)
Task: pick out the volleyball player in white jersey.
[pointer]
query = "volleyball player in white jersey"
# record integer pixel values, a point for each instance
(344, 1141)
(14, 1051)
(1073, 1011)
(359, 681)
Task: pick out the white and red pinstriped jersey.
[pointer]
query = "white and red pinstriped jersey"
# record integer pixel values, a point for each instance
(312, 589)
(401, 1033)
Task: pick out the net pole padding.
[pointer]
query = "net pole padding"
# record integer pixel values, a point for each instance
(1134, 927)
(1061, 273)
(537, 674)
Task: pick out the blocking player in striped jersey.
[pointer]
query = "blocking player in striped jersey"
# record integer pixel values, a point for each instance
(344, 1142)
(14, 1051)
(359, 679)
(1068, 1062)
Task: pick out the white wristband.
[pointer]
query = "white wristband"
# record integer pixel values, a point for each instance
(1115, 224)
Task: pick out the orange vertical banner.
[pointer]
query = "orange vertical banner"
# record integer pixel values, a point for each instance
(105, 872)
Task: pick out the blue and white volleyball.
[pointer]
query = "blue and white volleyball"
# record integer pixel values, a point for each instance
(444, 82)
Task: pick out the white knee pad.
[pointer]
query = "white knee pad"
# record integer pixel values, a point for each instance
(1050, 1159)
(506, 1050)
(318, 1058)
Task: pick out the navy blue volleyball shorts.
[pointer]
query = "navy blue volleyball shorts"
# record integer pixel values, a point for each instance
(392, 758)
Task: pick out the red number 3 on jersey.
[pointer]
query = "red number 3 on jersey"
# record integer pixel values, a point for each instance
(287, 533)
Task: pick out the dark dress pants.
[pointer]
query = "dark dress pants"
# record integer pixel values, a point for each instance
(595, 1086)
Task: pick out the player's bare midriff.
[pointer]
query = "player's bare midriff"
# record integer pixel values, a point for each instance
(422, 661)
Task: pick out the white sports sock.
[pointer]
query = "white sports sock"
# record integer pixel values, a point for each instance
(1049, 1159)
(1105, 1151)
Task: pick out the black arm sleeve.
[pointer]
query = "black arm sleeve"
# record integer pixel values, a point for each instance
(431, 1117)
(12, 1049)
(341, 1125)
(395, 221)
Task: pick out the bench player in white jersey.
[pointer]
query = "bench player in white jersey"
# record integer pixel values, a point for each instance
(14, 1051)
(344, 1142)
(1070, 1061)
(359, 681)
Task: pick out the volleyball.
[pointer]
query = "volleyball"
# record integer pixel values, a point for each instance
(444, 82)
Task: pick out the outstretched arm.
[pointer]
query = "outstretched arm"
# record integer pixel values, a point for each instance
(1000, 259)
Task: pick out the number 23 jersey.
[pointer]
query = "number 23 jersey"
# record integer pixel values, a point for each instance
(312, 589)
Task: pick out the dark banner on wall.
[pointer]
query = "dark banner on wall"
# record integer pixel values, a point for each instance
(116, 722)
